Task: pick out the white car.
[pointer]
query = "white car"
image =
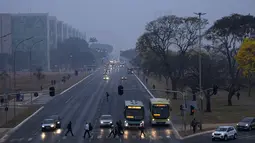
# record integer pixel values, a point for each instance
(105, 120)
(224, 133)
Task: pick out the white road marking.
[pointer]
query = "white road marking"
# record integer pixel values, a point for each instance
(30, 139)
(77, 83)
(168, 137)
(64, 137)
(69, 99)
(99, 137)
(21, 139)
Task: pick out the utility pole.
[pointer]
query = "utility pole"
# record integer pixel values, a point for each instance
(200, 14)
(30, 57)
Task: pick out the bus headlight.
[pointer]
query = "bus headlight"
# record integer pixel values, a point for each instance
(153, 119)
(168, 119)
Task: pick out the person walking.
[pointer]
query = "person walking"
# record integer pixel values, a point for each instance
(69, 128)
(142, 129)
(112, 131)
(86, 128)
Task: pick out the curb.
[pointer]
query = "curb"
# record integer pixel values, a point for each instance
(197, 134)
(5, 137)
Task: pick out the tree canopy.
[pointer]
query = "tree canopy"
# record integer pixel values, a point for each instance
(169, 48)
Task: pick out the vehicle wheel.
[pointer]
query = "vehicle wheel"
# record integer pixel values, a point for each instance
(250, 128)
(225, 138)
(235, 136)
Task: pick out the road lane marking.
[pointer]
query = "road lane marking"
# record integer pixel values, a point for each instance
(69, 99)
(30, 139)
(246, 137)
(77, 83)
(64, 137)
(168, 137)
(21, 139)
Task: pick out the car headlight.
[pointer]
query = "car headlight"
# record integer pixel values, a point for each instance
(247, 125)
(42, 126)
(168, 119)
(110, 122)
(143, 122)
(153, 119)
(126, 124)
(101, 122)
(52, 125)
(58, 122)
(212, 134)
(237, 124)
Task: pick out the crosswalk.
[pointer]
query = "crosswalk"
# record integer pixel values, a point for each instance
(150, 134)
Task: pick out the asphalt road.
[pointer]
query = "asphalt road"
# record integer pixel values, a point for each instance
(86, 102)
(243, 137)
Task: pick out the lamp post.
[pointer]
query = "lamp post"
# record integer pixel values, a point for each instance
(14, 60)
(30, 57)
(200, 67)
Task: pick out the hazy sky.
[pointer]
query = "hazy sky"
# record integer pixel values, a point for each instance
(120, 22)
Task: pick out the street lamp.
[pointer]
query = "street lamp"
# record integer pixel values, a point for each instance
(30, 57)
(14, 60)
(200, 65)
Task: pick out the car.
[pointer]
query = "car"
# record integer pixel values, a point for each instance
(105, 120)
(106, 77)
(48, 124)
(123, 78)
(247, 123)
(57, 120)
(224, 133)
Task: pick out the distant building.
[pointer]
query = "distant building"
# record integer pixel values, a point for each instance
(60, 31)
(65, 31)
(70, 31)
(34, 25)
(5, 29)
(53, 32)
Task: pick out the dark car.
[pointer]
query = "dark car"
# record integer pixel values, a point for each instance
(248, 123)
(57, 120)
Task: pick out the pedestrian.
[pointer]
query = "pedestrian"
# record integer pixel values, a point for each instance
(90, 127)
(121, 128)
(116, 131)
(69, 128)
(142, 129)
(86, 128)
(194, 125)
(112, 131)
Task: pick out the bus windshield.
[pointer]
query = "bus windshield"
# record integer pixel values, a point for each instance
(160, 112)
(134, 114)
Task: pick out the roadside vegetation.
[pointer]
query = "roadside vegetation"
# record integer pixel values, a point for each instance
(167, 55)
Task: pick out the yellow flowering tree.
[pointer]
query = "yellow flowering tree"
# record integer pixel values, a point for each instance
(246, 59)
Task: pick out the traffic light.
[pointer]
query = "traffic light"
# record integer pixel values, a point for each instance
(52, 91)
(215, 89)
(192, 110)
(120, 90)
(181, 107)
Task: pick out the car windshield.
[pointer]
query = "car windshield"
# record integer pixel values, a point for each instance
(247, 120)
(220, 129)
(106, 117)
(48, 121)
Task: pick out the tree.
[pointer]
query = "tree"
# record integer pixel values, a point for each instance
(158, 39)
(211, 75)
(227, 33)
(246, 60)
(93, 40)
(39, 75)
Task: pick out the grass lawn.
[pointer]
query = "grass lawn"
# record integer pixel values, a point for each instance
(221, 113)
(26, 83)
(22, 114)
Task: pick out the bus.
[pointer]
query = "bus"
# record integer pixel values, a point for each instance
(160, 111)
(133, 113)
